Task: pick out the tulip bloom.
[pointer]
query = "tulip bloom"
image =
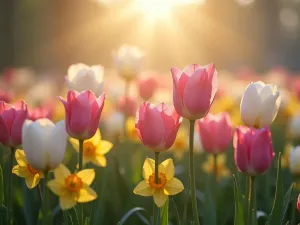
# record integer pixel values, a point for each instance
(72, 188)
(5, 96)
(167, 185)
(82, 77)
(147, 87)
(157, 126)
(260, 104)
(44, 143)
(12, 118)
(83, 111)
(194, 90)
(24, 169)
(215, 132)
(294, 160)
(253, 150)
(298, 203)
(127, 104)
(94, 149)
(39, 113)
(128, 61)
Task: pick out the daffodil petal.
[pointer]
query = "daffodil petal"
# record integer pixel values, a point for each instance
(169, 169)
(57, 188)
(143, 189)
(60, 173)
(173, 187)
(148, 168)
(32, 180)
(20, 171)
(159, 197)
(41, 174)
(75, 143)
(86, 194)
(21, 158)
(99, 160)
(67, 202)
(96, 138)
(104, 147)
(87, 176)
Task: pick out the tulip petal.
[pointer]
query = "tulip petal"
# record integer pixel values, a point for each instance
(241, 151)
(173, 187)
(169, 169)
(66, 201)
(21, 158)
(61, 173)
(143, 189)
(86, 194)
(87, 176)
(159, 197)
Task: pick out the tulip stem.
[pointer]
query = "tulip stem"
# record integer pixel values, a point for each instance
(10, 186)
(39, 190)
(46, 219)
(192, 174)
(251, 202)
(126, 107)
(155, 211)
(216, 183)
(80, 160)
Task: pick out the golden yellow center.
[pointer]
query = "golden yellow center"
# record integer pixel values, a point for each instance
(73, 183)
(32, 170)
(162, 180)
(88, 149)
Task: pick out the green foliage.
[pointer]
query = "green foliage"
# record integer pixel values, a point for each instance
(239, 211)
(164, 214)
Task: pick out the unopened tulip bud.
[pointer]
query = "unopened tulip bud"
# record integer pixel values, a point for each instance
(260, 104)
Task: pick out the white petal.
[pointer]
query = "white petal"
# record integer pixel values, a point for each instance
(56, 144)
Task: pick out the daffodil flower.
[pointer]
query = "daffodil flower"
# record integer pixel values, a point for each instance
(222, 170)
(131, 130)
(94, 149)
(72, 188)
(167, 183)
(25, 170)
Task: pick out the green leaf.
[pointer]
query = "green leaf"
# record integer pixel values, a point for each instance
(87, 221)
(239, 213)
(286, 201)
(164, 213)
(130, 213)
(176, 210)
(277, 210)
(209, 209)
(1, 187)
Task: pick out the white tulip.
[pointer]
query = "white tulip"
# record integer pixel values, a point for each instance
(128, 61)
(82, 77)
(260, 104)
(44, 143)
(294, 126)
(295, 160)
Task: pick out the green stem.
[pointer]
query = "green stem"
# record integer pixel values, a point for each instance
(39, 190)
(10, 186)
(251, 202)
(155, 211)
(216, 183)
(80, 160)
(126, 95)
(184, 216)
(46, 219)
(192, 174)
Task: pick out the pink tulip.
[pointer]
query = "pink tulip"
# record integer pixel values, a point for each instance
(12, 118)
(298, 203)
(128, 104)
(5, 96)
(147, 87)
(83, 111)
(215, 132)
(39, 113)
(157, 126)
(194, 90)
(253, 150)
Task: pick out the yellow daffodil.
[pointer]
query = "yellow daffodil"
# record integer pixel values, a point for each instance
(222, 170)
(167, 184)
(94, 149)
(23, 169)
(131, 131)
(180, 143)
(72, 188)
(285, 159)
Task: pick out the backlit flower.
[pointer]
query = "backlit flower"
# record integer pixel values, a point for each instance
(72, 188)
(94, 149)
(24, 169)
(167, 184)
